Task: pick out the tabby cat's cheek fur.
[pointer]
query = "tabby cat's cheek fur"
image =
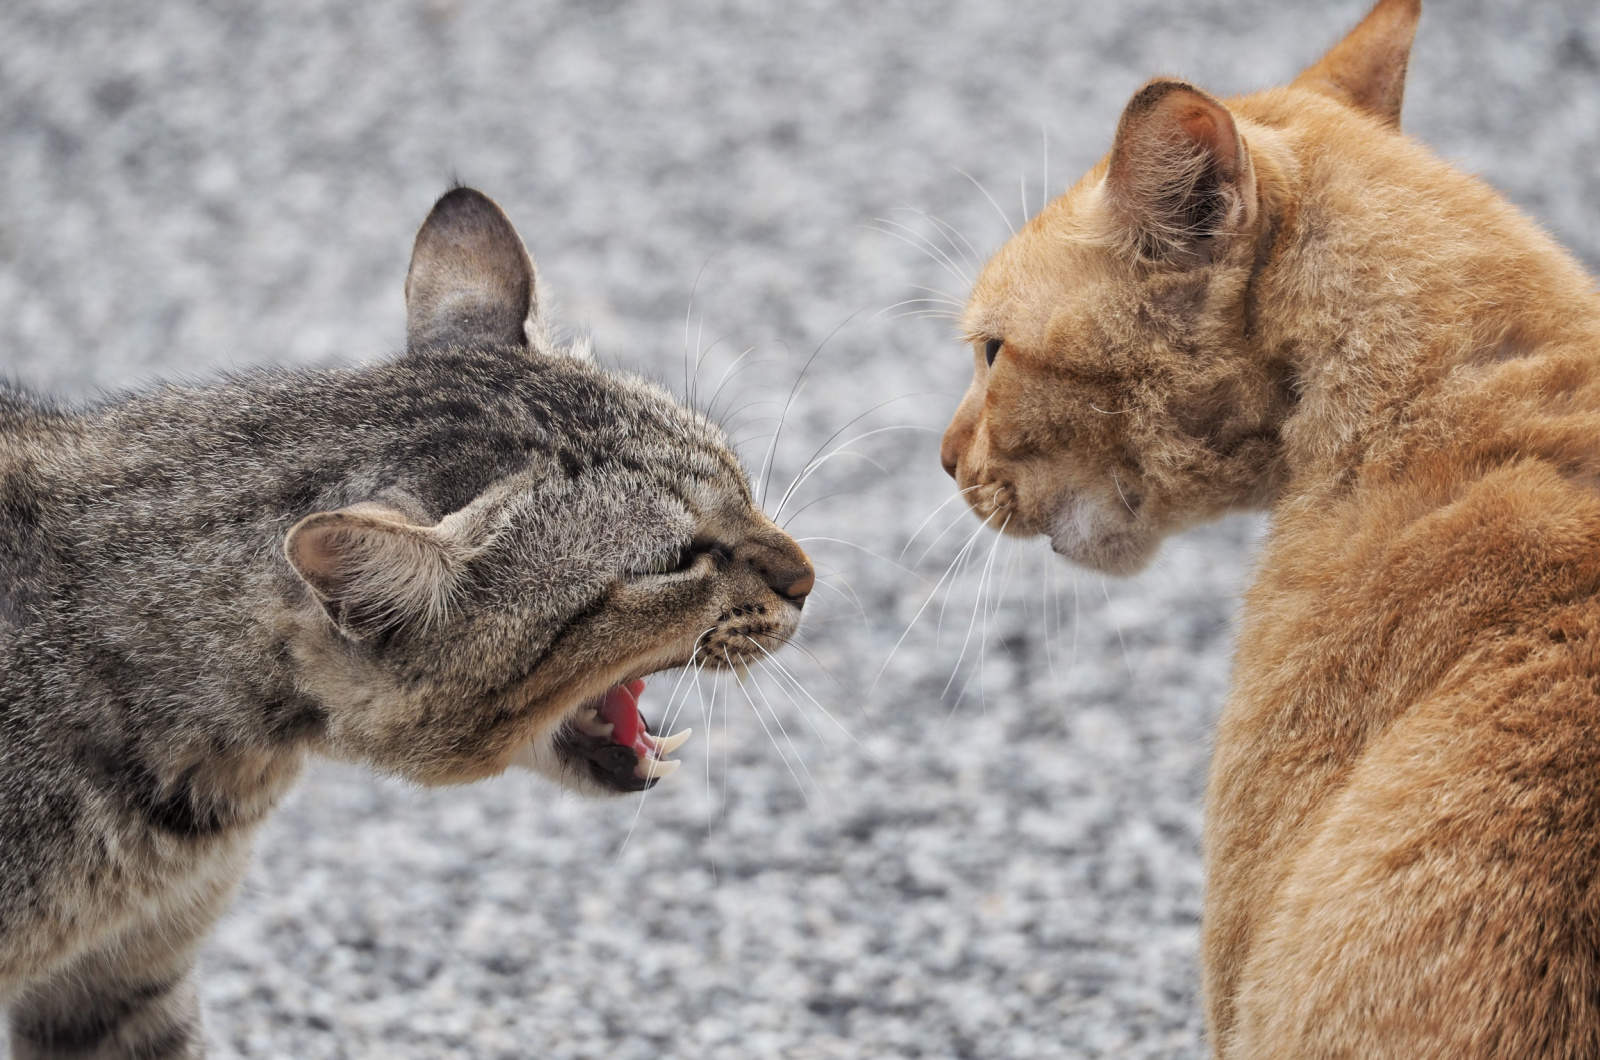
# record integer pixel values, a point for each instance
(1279, 301)
(436, 566)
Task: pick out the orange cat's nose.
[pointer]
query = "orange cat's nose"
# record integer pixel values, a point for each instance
(958, 436)
(955, 440)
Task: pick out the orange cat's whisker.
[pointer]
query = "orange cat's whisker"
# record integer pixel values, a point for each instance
(925, 604)
(969, 254)
(921, 243)
(978, 606)
(957, 521)
(985, 191)
(929, 518)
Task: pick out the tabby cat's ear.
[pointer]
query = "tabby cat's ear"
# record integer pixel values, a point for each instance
(471, 281)
(372, 570)
(1368, 68)
(1179, 175)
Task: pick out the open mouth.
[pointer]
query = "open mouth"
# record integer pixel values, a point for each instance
(611, 739)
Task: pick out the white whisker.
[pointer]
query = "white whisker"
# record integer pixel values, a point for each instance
(728, 373)
(960, 517)
(774, 661)
(964, 559)
(847, 589)
(931, 594)
(795, 643)
(1044, 136)
(913, 301)
(928, 313)
(929, 518)
(867, 551)
(1118, 483)
(970, 255)
(849, 599)
(934, 294)
(766, 467)
(666, 711)
(846, 492)
(916, 239)
(1047, 607)
(688, 313)
(982, 577)
(817, 462)
(1126, 660)
(772, 739)
(986, 195)
(778, 721)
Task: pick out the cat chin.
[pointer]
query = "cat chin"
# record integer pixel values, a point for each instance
(542, 756)
(1084, 532)
(604, 746)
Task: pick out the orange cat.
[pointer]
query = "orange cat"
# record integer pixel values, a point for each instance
(1280, 301)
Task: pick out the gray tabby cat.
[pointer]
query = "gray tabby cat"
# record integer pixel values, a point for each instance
(439, 566)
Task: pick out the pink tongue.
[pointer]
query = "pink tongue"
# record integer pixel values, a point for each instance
(621, 709)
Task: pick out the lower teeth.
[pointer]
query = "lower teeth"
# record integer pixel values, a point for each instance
(589, 722)
(655, 768)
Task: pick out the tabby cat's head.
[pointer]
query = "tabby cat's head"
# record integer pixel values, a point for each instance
(562, 533)
(1117, 396)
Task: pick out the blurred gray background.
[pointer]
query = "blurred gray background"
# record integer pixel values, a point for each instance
(999, 864)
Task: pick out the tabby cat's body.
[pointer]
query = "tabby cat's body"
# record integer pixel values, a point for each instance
(437, 566)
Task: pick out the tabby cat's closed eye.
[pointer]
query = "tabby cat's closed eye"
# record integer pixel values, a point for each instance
(465, 557)
(684, 559)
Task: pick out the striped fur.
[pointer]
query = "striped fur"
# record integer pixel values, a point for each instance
(426, 565)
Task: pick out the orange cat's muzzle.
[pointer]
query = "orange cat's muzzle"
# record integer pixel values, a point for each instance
(958, 436)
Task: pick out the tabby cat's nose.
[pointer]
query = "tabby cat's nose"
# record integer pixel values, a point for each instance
(801, 587)
(792, 578)
(784, 566)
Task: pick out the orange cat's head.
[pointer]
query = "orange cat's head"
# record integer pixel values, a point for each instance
(1117, 394)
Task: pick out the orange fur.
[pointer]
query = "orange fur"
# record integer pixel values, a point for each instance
(1280, 301)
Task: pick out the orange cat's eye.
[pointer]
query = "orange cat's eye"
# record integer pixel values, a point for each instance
(991, 349)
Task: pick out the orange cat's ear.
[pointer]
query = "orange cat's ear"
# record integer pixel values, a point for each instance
(1179, 174)
(1368, 68)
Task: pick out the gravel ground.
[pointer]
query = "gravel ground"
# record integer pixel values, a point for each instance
(1002, 864)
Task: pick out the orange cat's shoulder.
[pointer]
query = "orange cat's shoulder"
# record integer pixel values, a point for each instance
(1280, 301)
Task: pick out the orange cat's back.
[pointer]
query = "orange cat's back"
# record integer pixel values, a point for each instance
(1280, 301)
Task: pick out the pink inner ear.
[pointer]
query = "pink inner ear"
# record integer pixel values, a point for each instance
(1198, 124)
(1203, 127)
(314, 550)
